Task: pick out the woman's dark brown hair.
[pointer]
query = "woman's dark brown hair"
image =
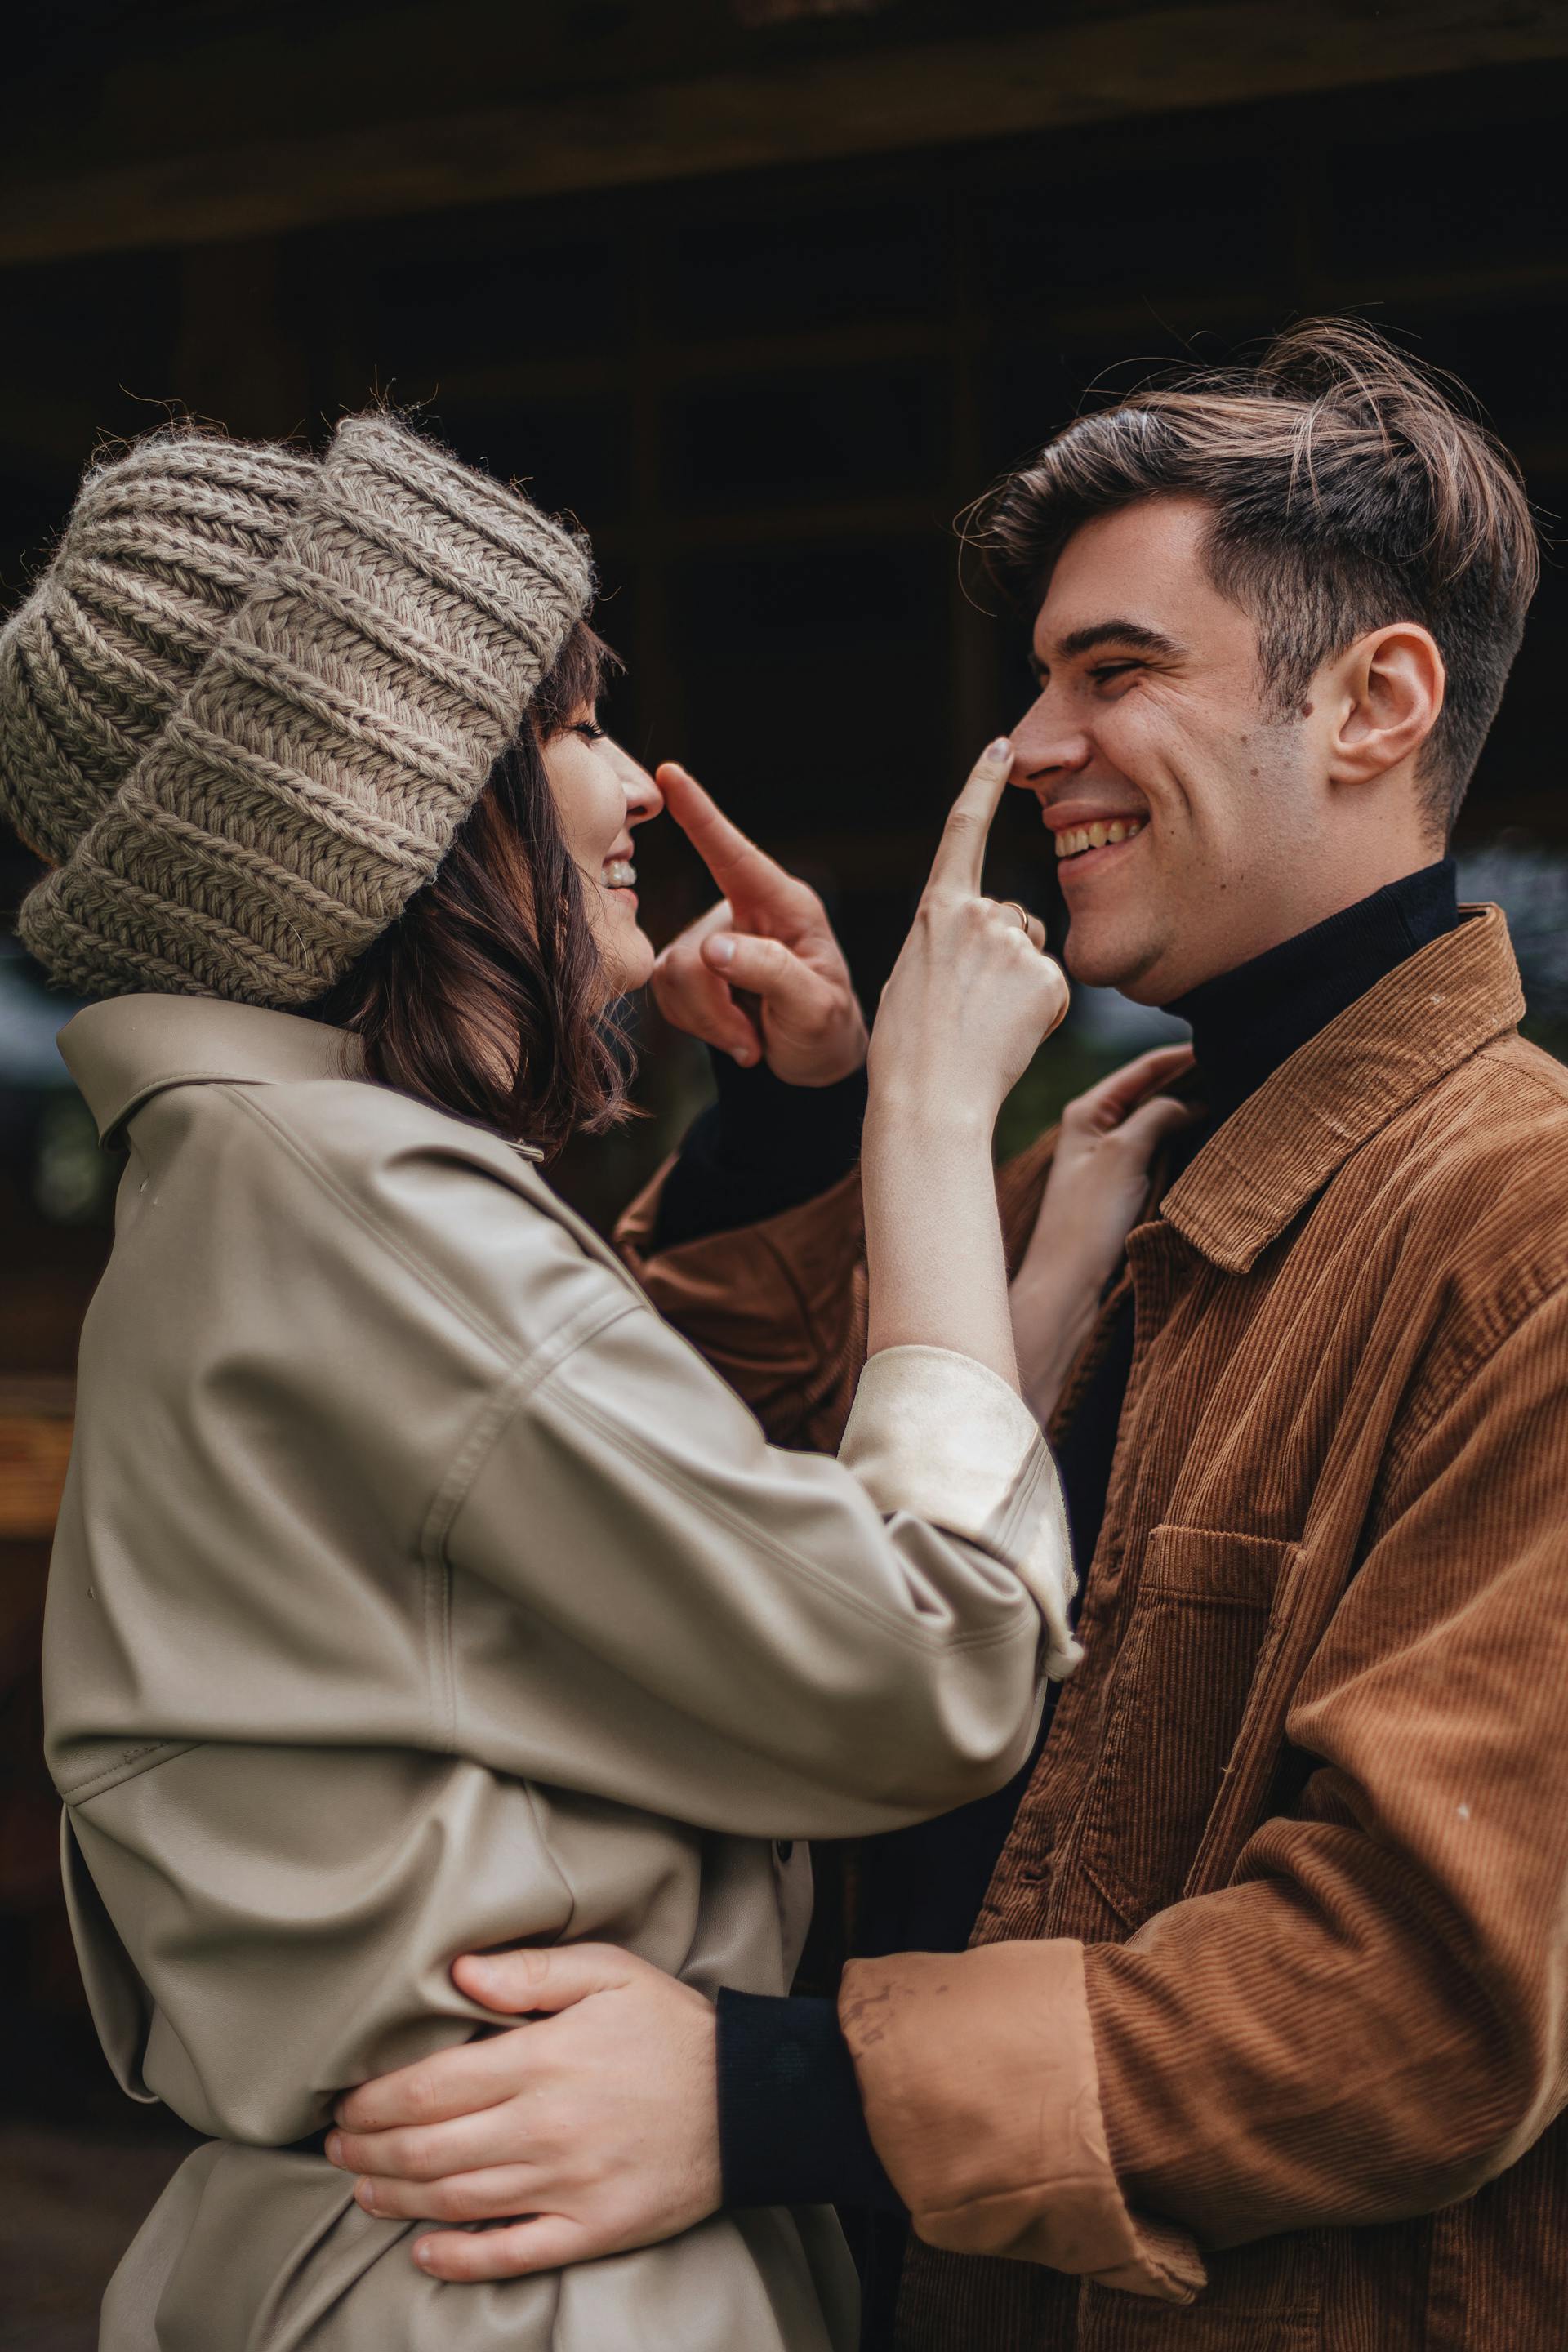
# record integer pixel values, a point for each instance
(486, 997)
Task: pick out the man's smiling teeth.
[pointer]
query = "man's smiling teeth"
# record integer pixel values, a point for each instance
(620, 873)
(1097, 836)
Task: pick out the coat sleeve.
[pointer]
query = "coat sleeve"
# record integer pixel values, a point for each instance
(779, 1307)
(760, 1641)
(1367, 2023)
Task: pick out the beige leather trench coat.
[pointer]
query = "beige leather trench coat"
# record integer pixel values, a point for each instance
(417, 1588)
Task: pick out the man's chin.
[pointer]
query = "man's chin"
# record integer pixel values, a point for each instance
(1097, 956)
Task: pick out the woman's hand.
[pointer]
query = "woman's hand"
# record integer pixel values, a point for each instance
(597, 2125)
(760, 976)
(1093, 1197)
(970, 997)
(973, 994)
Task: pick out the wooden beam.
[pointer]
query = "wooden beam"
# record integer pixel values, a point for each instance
(1129, 63)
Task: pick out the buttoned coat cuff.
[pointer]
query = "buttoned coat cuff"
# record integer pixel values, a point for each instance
(938, 1435)
(978, 2076)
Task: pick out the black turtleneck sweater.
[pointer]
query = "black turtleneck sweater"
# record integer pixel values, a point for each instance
(791, 2126)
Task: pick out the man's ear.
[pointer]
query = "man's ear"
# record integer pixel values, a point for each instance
(1384, 693)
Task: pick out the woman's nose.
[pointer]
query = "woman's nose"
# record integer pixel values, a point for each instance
(644, 798)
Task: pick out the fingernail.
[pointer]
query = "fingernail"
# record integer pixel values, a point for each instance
(364, 2195)
(422, 2256)
(332, 2148)
(744, 1057)
(1001, 750)
(721, 950)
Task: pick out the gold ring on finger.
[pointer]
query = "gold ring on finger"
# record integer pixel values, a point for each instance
(1023, 914)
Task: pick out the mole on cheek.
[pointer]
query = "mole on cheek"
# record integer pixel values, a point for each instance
(1306, 711)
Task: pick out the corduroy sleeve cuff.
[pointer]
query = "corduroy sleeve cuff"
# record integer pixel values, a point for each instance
(981, 2091)
(942, 1437)
(791, 2131)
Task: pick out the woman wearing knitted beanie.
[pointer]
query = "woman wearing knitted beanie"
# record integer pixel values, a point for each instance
(415, 1589)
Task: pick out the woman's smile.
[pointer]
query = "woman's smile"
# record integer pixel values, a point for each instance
(602, 795)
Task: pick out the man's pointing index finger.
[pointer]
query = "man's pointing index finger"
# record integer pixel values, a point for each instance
(960, 859)
(735, 863)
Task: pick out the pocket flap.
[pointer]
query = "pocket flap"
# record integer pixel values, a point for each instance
(1209, 1564)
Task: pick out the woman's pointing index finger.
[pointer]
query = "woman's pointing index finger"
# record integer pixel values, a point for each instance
(960, 859)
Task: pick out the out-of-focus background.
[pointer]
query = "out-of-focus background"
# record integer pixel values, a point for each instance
(764, 292)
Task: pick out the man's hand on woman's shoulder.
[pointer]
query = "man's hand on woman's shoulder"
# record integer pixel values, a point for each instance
(590, 2129)
(1096, 1193)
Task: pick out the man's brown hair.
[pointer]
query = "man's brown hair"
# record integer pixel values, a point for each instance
(1350, 487)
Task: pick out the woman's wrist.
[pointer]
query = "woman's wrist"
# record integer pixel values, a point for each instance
(917, 1111)
(933, 1241)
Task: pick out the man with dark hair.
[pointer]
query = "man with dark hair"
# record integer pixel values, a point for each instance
(1240, 2019)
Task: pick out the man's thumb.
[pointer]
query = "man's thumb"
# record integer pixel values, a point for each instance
(1148, 1126)
(550, 1977)
(761, 967)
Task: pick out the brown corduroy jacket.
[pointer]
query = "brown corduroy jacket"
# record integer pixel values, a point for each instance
(1265, 2015)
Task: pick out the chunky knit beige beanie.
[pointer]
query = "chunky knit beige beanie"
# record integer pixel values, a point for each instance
(250, 700)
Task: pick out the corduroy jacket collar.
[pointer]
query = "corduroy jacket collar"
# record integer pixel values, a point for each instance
(128, 1048)
(1343, 1087)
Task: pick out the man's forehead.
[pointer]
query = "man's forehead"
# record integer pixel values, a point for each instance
(1139, 572)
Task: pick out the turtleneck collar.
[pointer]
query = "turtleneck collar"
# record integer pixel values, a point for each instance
(1248, 1022)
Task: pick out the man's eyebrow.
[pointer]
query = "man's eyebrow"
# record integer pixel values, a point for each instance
(1111, 633)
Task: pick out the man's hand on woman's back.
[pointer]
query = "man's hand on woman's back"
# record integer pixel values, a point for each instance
(591, 2129)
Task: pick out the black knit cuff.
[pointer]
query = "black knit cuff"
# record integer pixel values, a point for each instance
(762, 1148)
(790, 2127)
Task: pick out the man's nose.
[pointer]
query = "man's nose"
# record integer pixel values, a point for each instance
(1046, 746)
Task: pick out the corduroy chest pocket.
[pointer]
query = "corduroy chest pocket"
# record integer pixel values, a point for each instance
(1175, 1704)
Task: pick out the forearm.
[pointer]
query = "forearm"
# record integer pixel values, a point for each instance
(936, 1271)
(760, 1148)
(777, 1308)
(791, 2126)
(1358, 2066)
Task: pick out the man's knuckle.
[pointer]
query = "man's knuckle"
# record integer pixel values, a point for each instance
(390, 2153)
(422, 2098)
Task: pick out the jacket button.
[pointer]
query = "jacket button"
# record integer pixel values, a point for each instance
(784, 1848)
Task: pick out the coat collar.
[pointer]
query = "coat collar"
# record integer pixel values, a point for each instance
(1343, 1087)
(128, 1048)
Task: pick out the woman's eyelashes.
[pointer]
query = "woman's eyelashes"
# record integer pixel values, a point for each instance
(589, 730)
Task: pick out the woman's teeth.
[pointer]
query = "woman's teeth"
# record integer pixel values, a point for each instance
(620, 873)
(1097, 835)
